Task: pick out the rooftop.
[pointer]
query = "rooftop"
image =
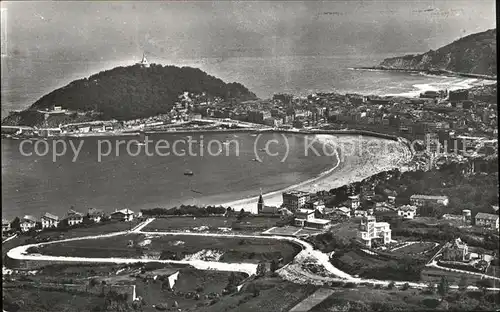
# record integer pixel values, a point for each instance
(488, 216)
(296, 193)
(50, 216)
(124, 211)
(428, 197)
(29, 218)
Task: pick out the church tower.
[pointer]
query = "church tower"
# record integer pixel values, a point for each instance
(260, 203)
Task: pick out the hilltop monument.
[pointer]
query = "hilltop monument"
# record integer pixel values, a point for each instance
(144, 61)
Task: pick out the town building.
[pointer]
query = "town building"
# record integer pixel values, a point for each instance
(360, 213)
(295, 200)
(263, 209)
(353, 202)
(370, 230)
(407, 212)
(27, 223)
(5, 225)
(343, 211)
(422, 200)
(122, 215)
(95, 215)
(318, 205)
(455, 251)
(487, 220)
(73, 217)
(49, 220)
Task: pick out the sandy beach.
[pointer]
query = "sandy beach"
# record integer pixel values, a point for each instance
(358, 157)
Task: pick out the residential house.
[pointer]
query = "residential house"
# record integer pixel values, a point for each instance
(49, 220)
(27, 223)
(316, 205)
(343, 211)
(487, 220)
(74, 217)
(122, 215)
(370, 230)
(5, 225)
(95, 215)
(407, 211)
(455, 251)
(422, 200)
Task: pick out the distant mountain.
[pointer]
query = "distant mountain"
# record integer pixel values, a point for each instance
(473, 54)
(133, 92)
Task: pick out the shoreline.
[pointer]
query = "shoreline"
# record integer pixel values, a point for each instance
(437, 72)
(347, 170)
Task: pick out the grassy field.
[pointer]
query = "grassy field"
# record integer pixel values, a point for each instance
(175, 247)
(293, 231)
(188, 223)
(210, 224)
(95, 229)
(416, 248)
(369, 299)
(357, 262)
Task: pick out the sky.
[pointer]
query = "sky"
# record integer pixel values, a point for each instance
(188, 29)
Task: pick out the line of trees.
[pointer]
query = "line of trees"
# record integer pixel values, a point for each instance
(191, 210)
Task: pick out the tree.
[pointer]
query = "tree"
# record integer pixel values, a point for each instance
(274, 265)
(463, 283)
(16, 224)
(443, 287)
(484, 284)
(391, 285)
(431, 288)
(261, 269)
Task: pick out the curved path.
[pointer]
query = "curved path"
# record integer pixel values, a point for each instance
(292, 271)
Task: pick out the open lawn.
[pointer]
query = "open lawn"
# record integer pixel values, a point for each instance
(251, 224)
(57, 234)
(369, 299)
(188, 223)
(398, 268)
(175, 247)
(290, 230)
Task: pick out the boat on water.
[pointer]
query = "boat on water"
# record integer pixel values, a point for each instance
(257, 160)
(142, 139)
(188, 173)
(253, 135)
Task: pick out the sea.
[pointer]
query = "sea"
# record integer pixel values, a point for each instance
(37, 184)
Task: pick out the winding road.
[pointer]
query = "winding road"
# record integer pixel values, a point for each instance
(293, 271)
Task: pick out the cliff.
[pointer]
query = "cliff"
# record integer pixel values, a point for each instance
(473, 54)
(131, 92)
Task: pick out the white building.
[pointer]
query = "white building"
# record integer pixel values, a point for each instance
(49, 220)
(27, 223)
(343, 211)
(370, 229)
(422, 200)
(74, 217)
(95, 215)
(407, 212)
(122, 215)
